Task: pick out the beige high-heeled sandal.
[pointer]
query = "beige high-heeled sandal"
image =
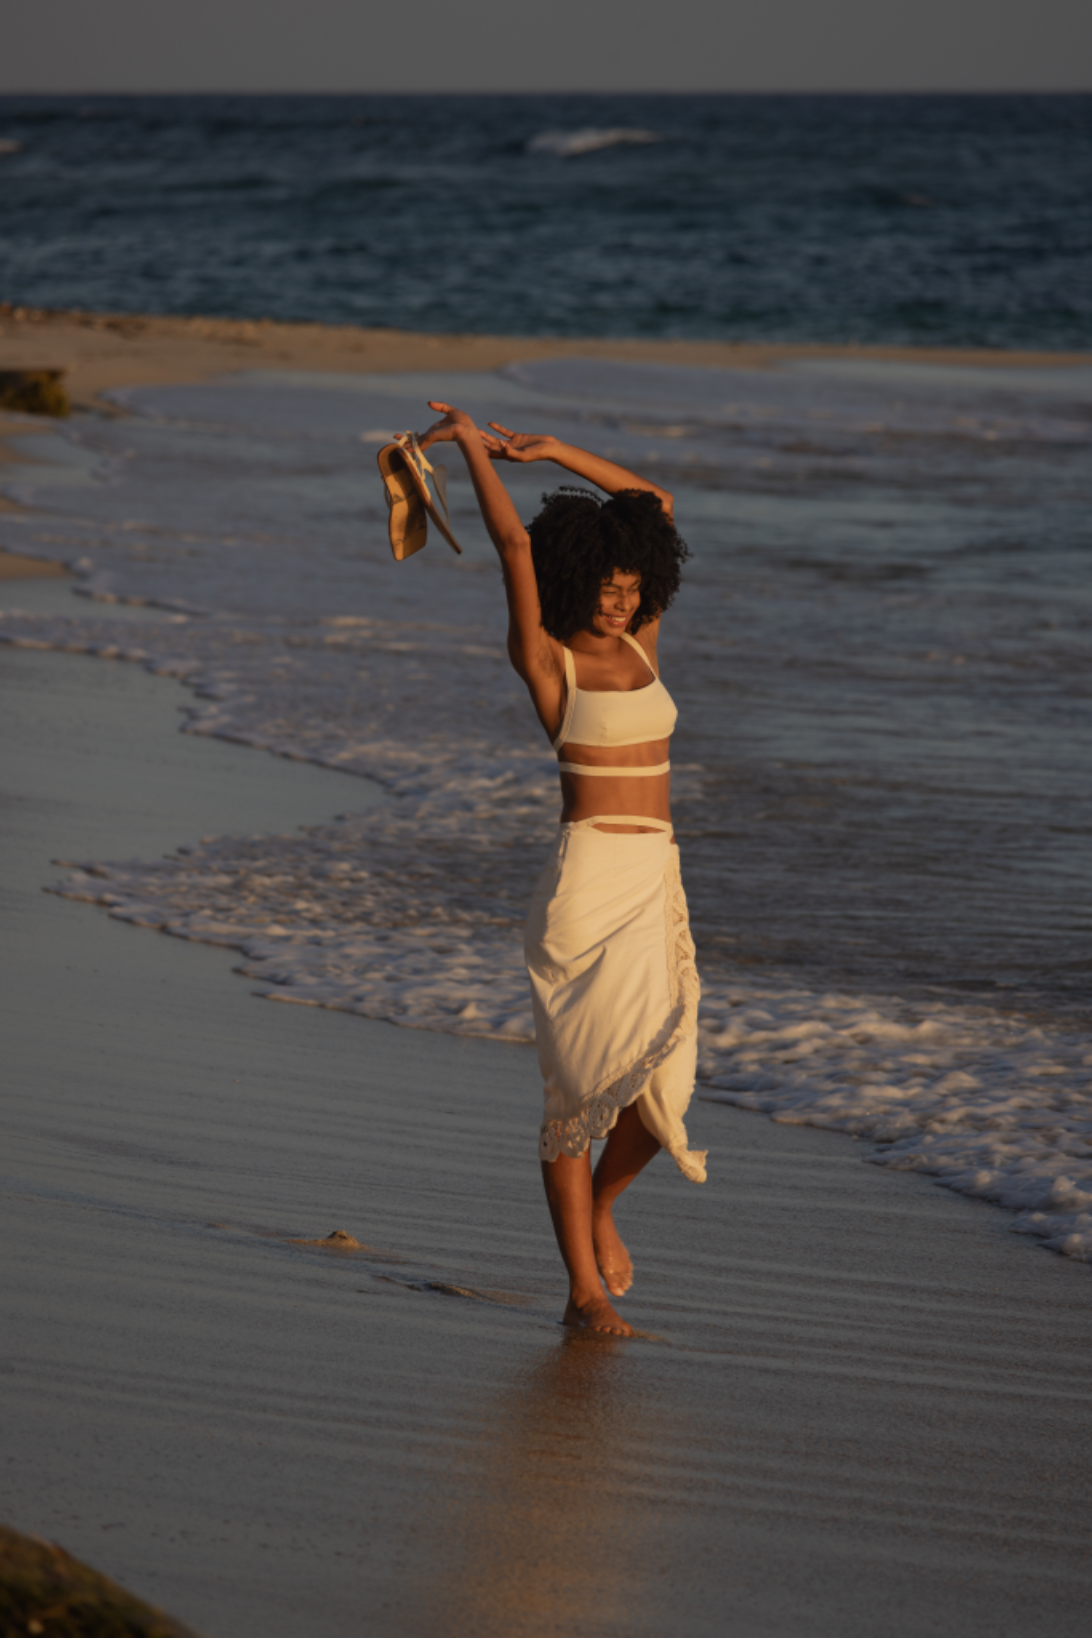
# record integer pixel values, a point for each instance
(403, 467)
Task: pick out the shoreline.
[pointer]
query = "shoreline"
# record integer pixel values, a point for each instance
(101, 351)
(340, 985)
(883, 1371)
(862, 1377)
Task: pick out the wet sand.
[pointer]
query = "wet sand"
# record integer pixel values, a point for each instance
(862, 1407)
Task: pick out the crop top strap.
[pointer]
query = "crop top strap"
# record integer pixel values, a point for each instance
(570, 698)
(633, 643)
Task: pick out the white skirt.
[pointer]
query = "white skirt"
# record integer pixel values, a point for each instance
(615, 990)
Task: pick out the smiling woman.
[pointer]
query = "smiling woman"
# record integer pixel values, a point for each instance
(578, 545)
(609, 571)
(614, 984)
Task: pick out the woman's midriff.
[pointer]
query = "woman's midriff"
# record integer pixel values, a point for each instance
(600, 796)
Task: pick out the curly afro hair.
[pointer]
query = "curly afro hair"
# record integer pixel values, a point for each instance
(577, 542)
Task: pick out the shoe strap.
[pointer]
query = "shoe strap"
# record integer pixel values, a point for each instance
(411, 449)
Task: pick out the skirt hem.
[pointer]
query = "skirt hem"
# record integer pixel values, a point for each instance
(599, 1113)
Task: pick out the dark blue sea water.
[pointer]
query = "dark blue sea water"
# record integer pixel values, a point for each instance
(920, 219)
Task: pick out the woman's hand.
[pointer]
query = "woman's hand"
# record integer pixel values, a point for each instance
(455, 426)
(505, 445)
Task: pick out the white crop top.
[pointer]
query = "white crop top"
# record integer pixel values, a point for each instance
(611, 717)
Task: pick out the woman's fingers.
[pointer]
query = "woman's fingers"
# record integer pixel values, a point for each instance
(499, 444)
(443, 431)
(522, 446)
(513, 445)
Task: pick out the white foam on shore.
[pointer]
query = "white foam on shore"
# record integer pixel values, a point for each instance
(987, 1106)
(346, 917)
(413, 910)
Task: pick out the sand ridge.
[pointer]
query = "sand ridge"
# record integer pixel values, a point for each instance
(100, 351)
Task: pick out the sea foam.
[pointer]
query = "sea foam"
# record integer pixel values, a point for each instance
(588, 140)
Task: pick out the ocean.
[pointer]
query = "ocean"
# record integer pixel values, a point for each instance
(948, 220)
(881, 653)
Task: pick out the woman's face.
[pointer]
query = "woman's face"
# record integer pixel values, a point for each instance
(619, 600)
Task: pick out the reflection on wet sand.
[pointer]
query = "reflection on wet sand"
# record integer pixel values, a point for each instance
(551, 1535)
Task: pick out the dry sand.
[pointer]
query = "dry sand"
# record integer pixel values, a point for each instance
(102, 350)
(868, 1411)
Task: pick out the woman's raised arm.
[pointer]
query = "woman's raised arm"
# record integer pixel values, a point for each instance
(505, 445)
(534, 653)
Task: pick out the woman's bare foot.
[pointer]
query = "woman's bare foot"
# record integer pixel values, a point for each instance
(614, 1261)
(596, 1315)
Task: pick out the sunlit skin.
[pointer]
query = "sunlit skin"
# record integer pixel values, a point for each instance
(619, 600)
(580, 1204)
(630, 1145)
(609, 663)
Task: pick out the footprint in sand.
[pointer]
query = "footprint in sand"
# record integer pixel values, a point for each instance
(339, 1240)
(445, 1289)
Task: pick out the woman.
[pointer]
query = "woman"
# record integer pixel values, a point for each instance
(609, 953)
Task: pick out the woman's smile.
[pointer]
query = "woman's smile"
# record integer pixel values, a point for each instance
(619, 600)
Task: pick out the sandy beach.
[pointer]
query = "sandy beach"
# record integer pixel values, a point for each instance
(103, 350)
(861, 1404)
